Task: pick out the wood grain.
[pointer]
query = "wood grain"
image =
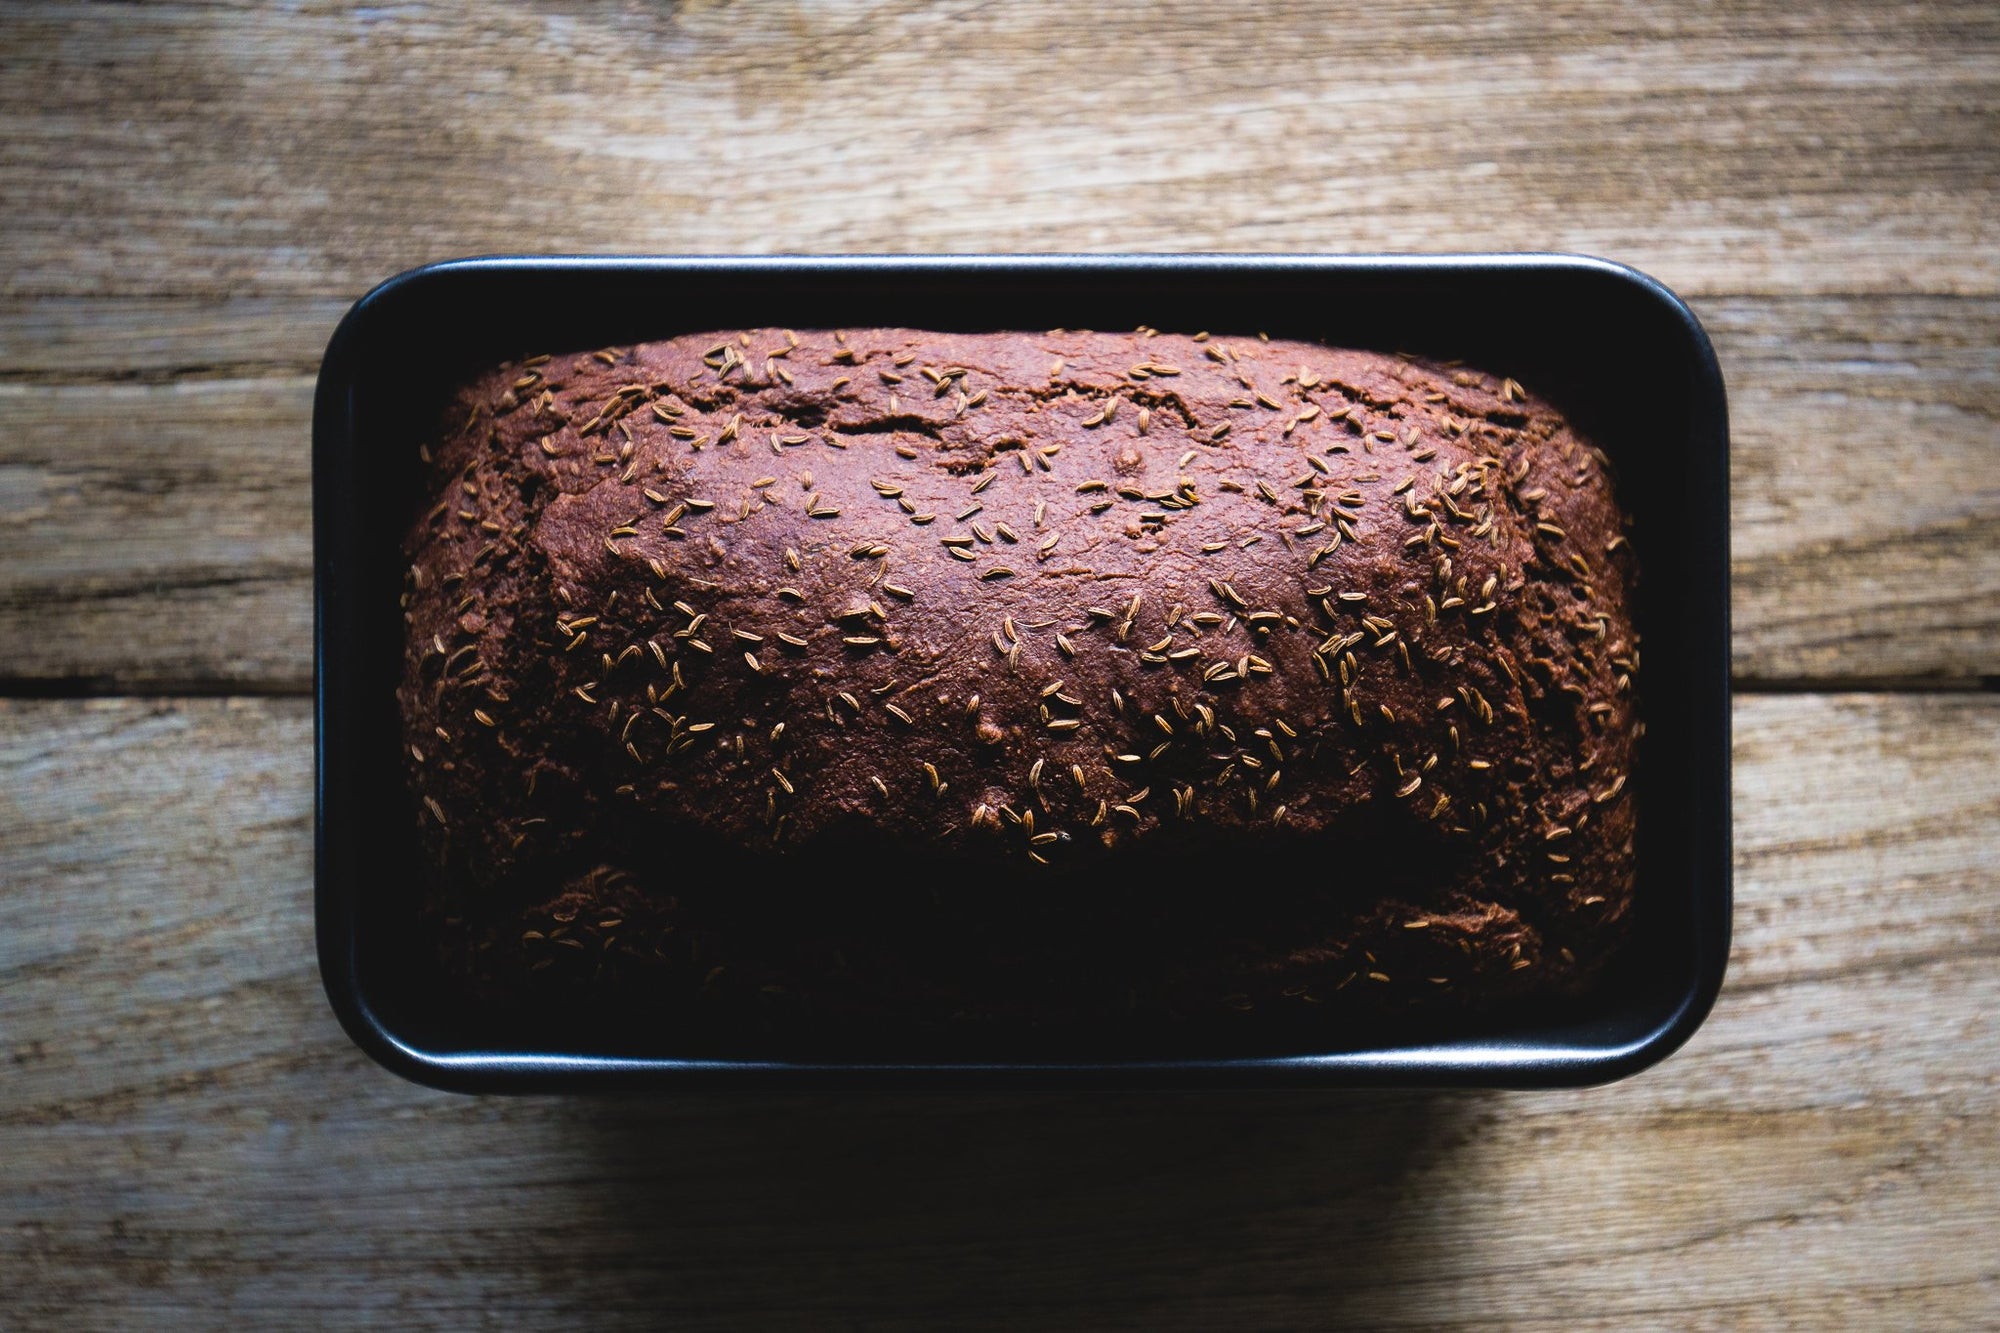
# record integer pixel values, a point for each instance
(192, 1140)
(212, 149)
(1864, 517)
(191, 192)
(157, 537)
(155, 490)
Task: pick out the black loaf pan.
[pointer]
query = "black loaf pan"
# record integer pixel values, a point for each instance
(1616, 350)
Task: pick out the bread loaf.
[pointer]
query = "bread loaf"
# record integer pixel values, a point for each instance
(905, 680)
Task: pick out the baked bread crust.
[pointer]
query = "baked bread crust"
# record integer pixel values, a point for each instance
(1018, 677)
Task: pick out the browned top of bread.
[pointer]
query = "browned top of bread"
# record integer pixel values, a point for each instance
(1019, 675)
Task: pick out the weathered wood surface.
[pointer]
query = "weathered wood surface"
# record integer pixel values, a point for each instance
(190, 1137)
(192, 191)
(155, 526)
(1864, 519)
(231, 148)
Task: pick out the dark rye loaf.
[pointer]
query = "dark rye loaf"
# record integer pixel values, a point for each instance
(886, 678)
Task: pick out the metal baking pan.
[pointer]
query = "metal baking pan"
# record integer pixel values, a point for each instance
(1631, 365)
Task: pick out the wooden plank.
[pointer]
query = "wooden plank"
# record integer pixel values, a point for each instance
(157, 536)
(154, 482)
(53, 340)
(1865, 486)
(192, 1141)
(212, 149)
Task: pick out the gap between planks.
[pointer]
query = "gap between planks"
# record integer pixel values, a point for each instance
(166, 338)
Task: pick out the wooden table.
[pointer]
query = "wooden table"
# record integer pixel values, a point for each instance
(190, 193)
